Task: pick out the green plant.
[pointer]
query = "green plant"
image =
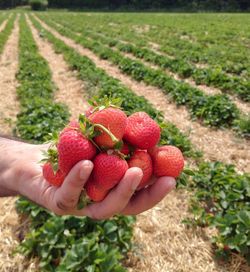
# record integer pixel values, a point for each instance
(222, 200)
(75, 244)
(242, 126)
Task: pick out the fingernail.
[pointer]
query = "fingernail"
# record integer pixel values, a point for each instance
(136, 182)
(171, 183)
(85, 164)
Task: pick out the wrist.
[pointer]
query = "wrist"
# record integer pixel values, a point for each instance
(12, 165)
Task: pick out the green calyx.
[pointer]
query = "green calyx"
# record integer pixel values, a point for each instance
(89, 130)
(51, 156)
(83, 201)
(99, 104)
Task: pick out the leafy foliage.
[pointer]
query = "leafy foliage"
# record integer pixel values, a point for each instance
(5, 33)
(39, 115)
(222, 200)
(75, 244)
(208, 76)
(242, 126)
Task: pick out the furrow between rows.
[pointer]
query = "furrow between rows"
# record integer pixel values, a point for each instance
(71, 90)
(3, 25)
(8, 83)
(8, 111)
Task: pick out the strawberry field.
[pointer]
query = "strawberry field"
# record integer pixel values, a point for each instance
(190, 73)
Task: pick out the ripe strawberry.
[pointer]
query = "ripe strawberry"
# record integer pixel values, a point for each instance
(167, 161)
(72, 125)
(55, 179)
(113, 119)
(142, 131)
(94, 192)
(108, 170)
(73, 147)
(142, 160)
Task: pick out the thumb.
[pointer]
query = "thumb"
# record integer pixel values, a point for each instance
(68, 194)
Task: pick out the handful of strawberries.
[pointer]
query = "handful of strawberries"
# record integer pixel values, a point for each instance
(114, 143)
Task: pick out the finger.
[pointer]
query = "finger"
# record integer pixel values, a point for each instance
(68, 194)
(117, 199)
(149, 197)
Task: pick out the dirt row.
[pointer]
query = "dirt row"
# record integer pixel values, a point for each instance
(8, 83)
(182, 249)
(216, 144)
(3, 24)
(8, 111)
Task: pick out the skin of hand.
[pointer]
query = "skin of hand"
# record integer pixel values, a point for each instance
(21, 173)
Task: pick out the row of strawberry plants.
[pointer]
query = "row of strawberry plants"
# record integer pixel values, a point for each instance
(39, 115)
(241, 125)
(208, 76)
(222, 44)
(215, 110)
(100, 80)
(208, 182)
(5, 33)
(61, 243)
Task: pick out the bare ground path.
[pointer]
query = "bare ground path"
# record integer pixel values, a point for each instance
(71, 90)
(8, 110)
(3, 25)
(216, 144)
(8, 83)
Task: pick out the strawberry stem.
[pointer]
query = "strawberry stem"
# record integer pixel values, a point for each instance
(111, 135)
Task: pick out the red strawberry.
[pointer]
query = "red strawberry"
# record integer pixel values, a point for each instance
(142, 160)
(142, 131)
(55, 179)
(73, 147)
(73, 125)
(113, 119)
(167, 161)
(108, 170)
(94, 192)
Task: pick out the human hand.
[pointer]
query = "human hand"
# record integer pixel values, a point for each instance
(123, 199)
